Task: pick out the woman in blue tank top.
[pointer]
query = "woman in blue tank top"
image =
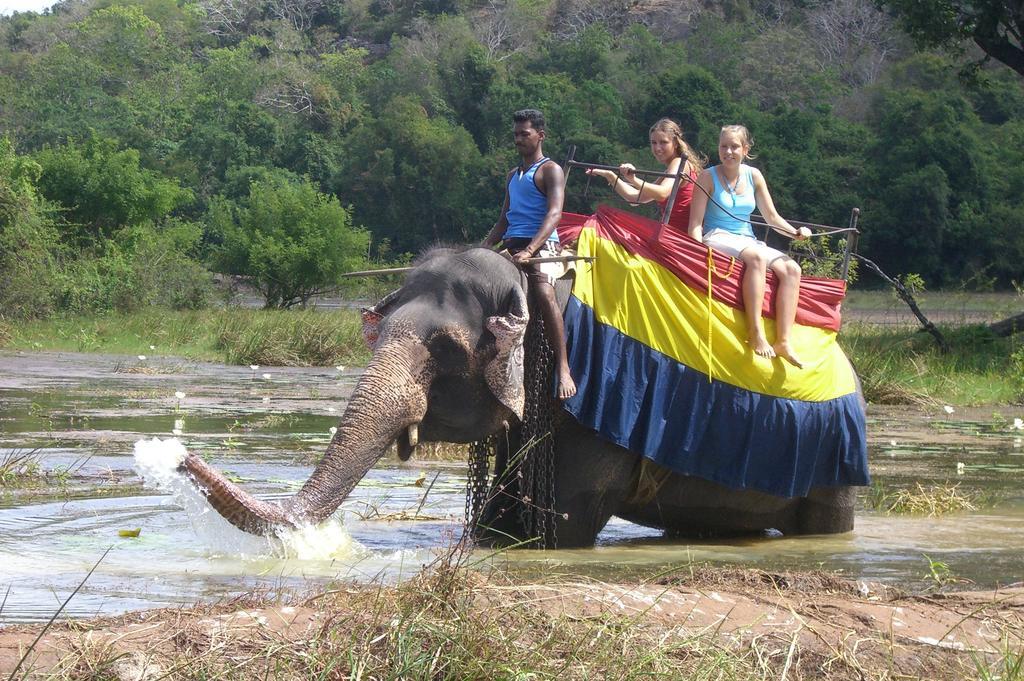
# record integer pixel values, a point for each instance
(720, 217)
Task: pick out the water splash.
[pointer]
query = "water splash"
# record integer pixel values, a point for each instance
(327, 541)
(157, 462)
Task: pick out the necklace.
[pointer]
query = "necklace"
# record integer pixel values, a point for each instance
(734, 186)
(731, 189)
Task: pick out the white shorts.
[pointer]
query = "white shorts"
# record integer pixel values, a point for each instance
(547, 272)
(734, 244)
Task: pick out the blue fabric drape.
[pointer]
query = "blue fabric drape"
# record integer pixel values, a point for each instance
(648, 403)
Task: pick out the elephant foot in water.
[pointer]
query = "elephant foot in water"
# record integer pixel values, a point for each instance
(575, 523)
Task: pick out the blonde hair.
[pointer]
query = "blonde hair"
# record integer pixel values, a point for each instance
(745, 137)
(683, 150)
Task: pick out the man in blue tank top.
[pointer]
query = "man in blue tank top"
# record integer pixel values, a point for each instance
(527, 227)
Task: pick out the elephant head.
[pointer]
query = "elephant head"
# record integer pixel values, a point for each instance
(446, 366)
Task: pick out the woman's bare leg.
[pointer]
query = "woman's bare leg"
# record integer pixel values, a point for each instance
(753, 298)
(788, 273)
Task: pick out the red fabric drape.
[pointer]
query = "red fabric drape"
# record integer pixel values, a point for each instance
(820, 298)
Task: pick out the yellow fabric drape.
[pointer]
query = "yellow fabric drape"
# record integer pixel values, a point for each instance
(648, 303)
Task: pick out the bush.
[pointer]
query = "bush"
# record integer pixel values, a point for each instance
(1017, 371)
(146, 266)
(96, 283)
(27, 268)
(292, 240)
(167, 268)
(27, 239)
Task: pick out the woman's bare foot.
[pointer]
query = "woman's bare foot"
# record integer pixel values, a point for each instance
(783, 350)
(566, 386)
(761, 347)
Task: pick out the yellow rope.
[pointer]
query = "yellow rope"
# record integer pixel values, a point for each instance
(711, 269)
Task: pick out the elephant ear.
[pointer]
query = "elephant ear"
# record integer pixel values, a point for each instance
(372, 317)
(504, 373)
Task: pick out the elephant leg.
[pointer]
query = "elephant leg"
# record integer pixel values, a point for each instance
(580, 517)
(827, 510)
(592, 478)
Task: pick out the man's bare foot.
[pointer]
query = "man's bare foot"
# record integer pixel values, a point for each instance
(761, 347)
(785, 352)
(566, 386)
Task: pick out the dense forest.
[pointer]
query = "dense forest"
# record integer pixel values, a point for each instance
(147, 144)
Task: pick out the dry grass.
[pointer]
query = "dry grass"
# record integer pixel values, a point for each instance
(442, 451)
(931, 501)
(457, 623)
(446, 625)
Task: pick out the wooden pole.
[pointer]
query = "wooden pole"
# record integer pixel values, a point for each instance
(401, 270)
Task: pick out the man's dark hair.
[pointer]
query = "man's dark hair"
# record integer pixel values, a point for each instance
(534, 117)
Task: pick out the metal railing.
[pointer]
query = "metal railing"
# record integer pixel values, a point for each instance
(817, 230)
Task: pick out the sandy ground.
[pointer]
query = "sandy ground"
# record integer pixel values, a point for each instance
(805, 625)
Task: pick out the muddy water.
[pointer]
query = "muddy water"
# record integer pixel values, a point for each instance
(84, 414)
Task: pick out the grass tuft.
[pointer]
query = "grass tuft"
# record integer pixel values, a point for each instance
(931, 501)
(18, 464)
(292, 338)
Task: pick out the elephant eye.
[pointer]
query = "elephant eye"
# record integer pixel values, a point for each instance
(450, 355)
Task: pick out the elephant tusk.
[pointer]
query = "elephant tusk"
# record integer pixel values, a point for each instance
(407, 441)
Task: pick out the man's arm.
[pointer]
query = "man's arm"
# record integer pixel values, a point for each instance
(498, 231)
(553, 181)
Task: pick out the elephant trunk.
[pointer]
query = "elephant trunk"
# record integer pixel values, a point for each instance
(390, 397)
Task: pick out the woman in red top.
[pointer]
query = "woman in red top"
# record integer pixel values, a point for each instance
(669, 147)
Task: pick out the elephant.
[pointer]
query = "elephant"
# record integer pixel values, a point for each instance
(448, 365)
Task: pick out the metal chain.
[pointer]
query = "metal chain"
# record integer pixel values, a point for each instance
(537, 456)
(533, 466)
(477, 482)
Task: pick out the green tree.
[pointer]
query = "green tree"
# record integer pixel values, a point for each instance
(909, 224)
(996, 26)
(290, 239)
(95, 74)
(586, 56)
(465, 82)
(933, 176)
(416, 179)
(228, 133)
(813, 161)
(103, 189)
(124, 43)
(694, 98)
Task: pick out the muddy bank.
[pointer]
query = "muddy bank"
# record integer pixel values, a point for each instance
(456, 624)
